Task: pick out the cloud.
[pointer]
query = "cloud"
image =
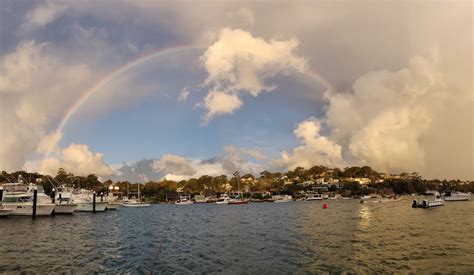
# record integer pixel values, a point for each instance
(42, 15)
(238, 62)
(220, 103)
(183, 95)
(418, 118)
(77, 159)
(315, 149)
(35, 88)
(175, 167)
(174, 164)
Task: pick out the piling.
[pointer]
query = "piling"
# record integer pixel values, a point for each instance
(35, 202)
(53, 196)
(93, 202)
(1, 194)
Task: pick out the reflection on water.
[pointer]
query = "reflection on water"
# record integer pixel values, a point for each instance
(254, 238)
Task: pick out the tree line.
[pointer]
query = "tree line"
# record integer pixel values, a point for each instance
(292, 182)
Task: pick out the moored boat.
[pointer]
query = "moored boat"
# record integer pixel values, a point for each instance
(286, 198)
(314, 197)
(238, 201)
(184, 202)
(457, 196)
(85, 201)
(17, 198)
(432, 199)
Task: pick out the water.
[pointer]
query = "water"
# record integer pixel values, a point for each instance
(265, 238)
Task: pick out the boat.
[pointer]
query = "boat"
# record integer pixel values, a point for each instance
(135, 203)
(286, 198)
(432, 199)
(5, 212)
(113, 198)
(314, 197)
(184, 202)
(62, 206)
(457, 196)
(325, 196)
(223, 199)
(20, 201)
(238, 201)
(85, 201)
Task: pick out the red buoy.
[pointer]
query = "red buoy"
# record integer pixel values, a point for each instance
(325, 206)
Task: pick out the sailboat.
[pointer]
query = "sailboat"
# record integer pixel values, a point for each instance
(240, 199)
(135, 203)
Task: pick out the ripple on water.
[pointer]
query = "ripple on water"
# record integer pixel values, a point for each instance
(264, 238)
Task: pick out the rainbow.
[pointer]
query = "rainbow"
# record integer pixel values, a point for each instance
(85, 95)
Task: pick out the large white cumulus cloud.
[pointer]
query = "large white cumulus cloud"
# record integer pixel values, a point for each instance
(77, 159)
(238, 62)
(35, 88)
(413, 119)
(314, 149)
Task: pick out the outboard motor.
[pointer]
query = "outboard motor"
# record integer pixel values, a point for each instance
(424, 204)
(414, 204)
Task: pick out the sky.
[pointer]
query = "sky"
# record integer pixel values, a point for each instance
(172, 90)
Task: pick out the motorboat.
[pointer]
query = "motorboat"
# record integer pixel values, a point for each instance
(314, 197)
(85, 201)
(285, 198)
(238, 201)
(62, 206)
(432, 199)
(17, 199)
(223, 199)
(184, 202)
(457, 196)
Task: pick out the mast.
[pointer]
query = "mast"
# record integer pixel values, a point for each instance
(237, 175)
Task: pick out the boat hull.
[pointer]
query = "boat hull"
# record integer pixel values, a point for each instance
(5, 212)
(135, 205)
(65, 208)
(27, 209)
(239, 202)
(88, 207)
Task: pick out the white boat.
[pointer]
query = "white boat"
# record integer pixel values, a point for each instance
(61, 207)
(458, 196)
(314, 197)
(64, 204)
(20, 201)
(85, 201)
(366, 197)
(286, 198)
(135, 203)
(432, 199)
(325, 196)
(184, 202)
(223, 199)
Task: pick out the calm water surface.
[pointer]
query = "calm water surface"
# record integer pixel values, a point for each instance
(297, 237)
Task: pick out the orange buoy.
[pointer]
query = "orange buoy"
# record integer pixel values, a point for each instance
(325, 206)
